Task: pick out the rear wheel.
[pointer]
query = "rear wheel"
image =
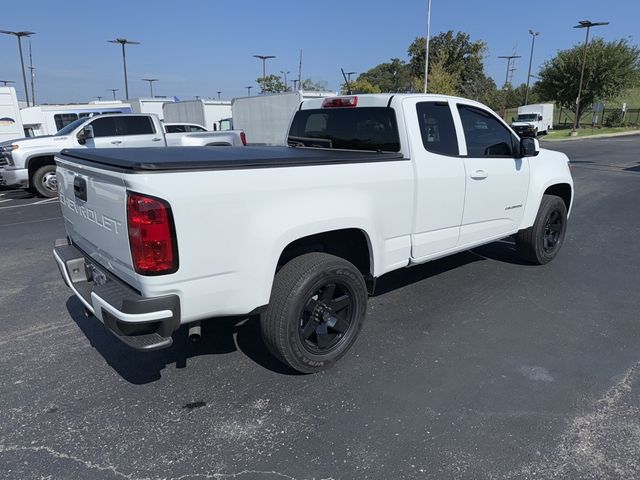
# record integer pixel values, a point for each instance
(317, 307)
(540, 243)
(44, 181)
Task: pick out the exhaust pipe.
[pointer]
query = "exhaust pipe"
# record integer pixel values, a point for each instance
(195, 331)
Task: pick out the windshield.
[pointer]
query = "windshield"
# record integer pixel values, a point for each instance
(527, 117)
(368, 128)
(70, 127)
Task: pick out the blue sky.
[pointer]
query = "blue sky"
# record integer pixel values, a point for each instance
(197, 47)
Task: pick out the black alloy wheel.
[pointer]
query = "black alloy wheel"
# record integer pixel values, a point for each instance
(326, 318)
(553, 228)
(316, 311)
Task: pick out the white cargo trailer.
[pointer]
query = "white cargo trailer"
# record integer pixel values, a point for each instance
(149, 105)
(265, 118)
(10, 120)
(206, 113)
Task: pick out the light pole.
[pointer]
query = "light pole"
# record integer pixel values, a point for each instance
(248, 90)
(264, 59)
(123, 42)
(508, 58)
(219, 92)
(533, 41)
(426, 50)
(19, 36)
(285, 77)
(5, 82)
(99, 98)
(113, 90)
(31, 69)
(348, 74)
(583, 24)
(150, 80)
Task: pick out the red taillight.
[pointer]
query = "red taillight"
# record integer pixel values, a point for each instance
(340, 102)
(243, 137)
(151, 235)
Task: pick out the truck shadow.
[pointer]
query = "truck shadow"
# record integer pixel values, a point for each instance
(226, 335)
(501, 251)
(219, 336)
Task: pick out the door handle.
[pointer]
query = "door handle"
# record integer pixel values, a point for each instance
(479, 175)
(156, 139)
(116, 142)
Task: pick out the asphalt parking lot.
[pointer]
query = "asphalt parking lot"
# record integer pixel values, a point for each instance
(475, 366)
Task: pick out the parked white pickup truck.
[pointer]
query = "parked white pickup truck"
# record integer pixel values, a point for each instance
(299, 234)
(29, 162)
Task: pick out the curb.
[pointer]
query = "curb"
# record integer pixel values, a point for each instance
(602, 135)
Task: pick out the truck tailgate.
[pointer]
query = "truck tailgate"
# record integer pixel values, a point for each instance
(94, 206)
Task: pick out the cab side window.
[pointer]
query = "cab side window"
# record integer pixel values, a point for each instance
(104, 127)
(137, 125)
(484, 134)
(437, 128)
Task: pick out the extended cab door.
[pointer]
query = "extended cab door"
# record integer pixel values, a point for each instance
(497, 180)
(440, 176)
(105, 134)
(141, 131)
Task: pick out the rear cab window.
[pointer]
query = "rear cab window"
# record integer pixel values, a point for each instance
(138, 125)
(437, 128)
(363, 128)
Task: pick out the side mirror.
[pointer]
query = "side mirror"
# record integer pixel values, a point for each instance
(513, 119)
(539, 117)
(84, 134)
(529, 147)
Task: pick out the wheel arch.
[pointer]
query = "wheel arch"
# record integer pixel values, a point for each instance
(352, 244)
(35, 162)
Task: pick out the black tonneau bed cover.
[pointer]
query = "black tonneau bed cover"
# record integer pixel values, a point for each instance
(217, 158)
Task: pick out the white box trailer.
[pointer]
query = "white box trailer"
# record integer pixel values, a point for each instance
(10, 120)
(206, 113)
(48, 119)
(265, 118)
(149, 105)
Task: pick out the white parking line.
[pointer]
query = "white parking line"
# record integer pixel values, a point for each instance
(46, 201)
(30, 221)
(7, 200)
(29, 204)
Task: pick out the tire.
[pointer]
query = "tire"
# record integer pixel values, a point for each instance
(540, 243)
(44, 181)
(315, 313)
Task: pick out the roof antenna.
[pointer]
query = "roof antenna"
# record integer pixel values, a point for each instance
(346, 82)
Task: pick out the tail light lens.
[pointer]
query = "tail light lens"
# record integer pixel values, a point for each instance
(243, 137)
(151, 235)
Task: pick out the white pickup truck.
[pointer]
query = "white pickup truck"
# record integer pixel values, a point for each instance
(29, 162)
(299, 234)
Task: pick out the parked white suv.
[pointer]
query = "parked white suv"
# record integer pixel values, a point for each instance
(299, 234)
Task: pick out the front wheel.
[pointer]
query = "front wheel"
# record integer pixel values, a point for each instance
(45, 182)
(541, 242)
(316, 310)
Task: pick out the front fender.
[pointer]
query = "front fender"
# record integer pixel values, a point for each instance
(547, 169)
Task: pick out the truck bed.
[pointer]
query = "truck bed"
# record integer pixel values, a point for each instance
(220, 158)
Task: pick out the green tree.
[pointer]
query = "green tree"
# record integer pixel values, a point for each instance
(272, 84)
(611, 67)
(457, 55)
(360, 86)
(313, 86)
(440, 80)
(393, 76)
